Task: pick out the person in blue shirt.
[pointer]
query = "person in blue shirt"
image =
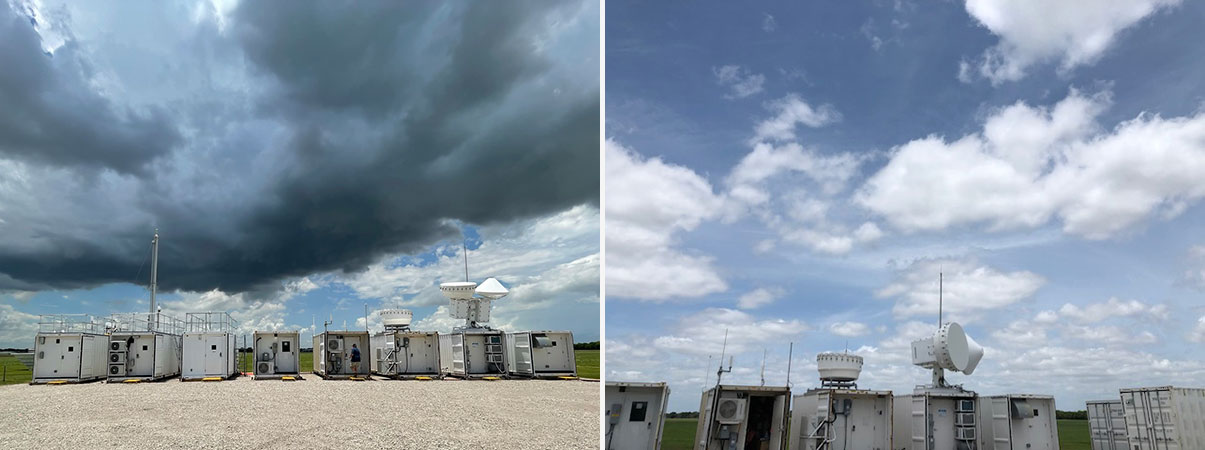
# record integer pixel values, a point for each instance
(355, 359)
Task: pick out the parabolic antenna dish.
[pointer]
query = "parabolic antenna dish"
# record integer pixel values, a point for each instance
(396, 317)
(492, 289)
(458, 290)
(955, 350)
(950, 348)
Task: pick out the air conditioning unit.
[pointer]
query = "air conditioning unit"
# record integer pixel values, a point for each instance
(964, 419)
(964, 434)
(730, 410)
(264, 368)
(117, 346)
(966, 406)
(334, 345)
(117, 369)
(117, 358)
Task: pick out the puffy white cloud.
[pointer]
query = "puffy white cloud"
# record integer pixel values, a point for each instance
(1036, 31)
(1097, 312)
(1030, 164)
(790, 189)
(648, 201)
(969, 288)
(789, 112)
(742, 82)
(16, 327)
(759, 297)
(702, 333)
(849, 329)
(1198, 333)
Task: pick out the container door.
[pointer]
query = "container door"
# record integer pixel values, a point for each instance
(88, 347)
(459, 365)
(158, 354)
(1117, 427)
(523, 361)
(215, 355)
(778, 427)
(921, 423)
(1000, 434)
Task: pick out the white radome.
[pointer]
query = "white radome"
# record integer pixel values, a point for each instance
(839, 366)
(458, 290)
(396, 317)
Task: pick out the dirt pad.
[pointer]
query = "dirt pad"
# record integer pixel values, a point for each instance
(313, 413)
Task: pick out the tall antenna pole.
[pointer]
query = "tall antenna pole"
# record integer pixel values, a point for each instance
(366, 330)
(465, 247)
(154, 272)
(763, 367)
(939, 299)
(790, 354)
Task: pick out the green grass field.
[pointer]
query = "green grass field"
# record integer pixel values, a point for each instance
(1074, 435)
(13, 371)
(680, 434)
(587, 363)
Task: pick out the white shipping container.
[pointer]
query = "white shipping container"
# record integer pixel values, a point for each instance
(1164, 418)
(635, 415)
(472, 353)
(935, 420)
(209, 355)
(1018, 422)
(743, 414)
(72, 357)
(277, 354)
(333, 352)
(844, 418)
(540, 354)
(405, 354)
(143, 356)
(1107, 425)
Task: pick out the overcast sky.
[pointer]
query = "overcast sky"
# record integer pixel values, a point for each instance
(802, 172)
(300, 160)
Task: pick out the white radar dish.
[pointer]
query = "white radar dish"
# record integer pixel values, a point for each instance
(950, 348)
(396, 317)
(458, 290)
(492, 289)
(839, 366)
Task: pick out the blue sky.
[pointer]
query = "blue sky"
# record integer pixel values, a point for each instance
(300, 160)
(801, 172)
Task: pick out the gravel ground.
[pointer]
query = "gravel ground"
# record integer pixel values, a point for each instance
(313, 413)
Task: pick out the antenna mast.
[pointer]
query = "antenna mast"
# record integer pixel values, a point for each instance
(790, 354)
(763, 367)
(154, 274)
(465, 247)
(939, 299)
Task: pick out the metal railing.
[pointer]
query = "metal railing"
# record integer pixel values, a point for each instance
(154, 322)
(218, 322)
(70, 323)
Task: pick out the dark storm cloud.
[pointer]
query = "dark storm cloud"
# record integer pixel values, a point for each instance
(47, 113)
(399, 119)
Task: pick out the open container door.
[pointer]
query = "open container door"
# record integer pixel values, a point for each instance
(523, 364)
(459, 363)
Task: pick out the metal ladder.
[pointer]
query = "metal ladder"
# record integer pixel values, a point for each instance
(390, 361)
(826, 440)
